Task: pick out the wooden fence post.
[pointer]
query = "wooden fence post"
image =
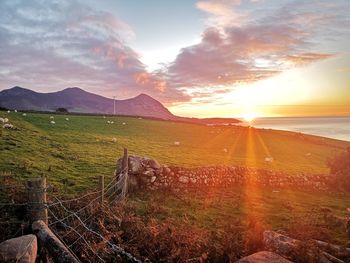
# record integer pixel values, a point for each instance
(101, 183)
(58, 251)
(125, 165)
(37, 199)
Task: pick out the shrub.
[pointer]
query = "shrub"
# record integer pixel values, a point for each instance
(62, 110)
(340, 169)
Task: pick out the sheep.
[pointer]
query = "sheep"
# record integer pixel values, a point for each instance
(52, 117)
(225, 150)
(67, 119)
(124, 123)
(24, 114)
(112, 122)
(269, 159)
(176, 143)
(114, 139)
(6, 120)
(2, 120)
(8, 111)
(104, 117)
(15, 110)
(52, 122)
(108, 122)
(8, 126)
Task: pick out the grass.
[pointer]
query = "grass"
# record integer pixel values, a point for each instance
(82, 148)
(277, 210)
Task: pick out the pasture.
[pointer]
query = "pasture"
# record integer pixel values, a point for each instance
(83, 147)
(79, 149)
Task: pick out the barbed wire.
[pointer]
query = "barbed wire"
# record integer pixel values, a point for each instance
(114, 247)
(75, 231)
(118, 186)
(74, 199)
(90, 203)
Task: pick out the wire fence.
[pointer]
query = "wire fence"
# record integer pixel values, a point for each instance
(69, 218)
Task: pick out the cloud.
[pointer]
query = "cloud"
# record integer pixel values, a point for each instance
(229, 55)
(51, 45)
(306, 58)
(56, 44)
(221, 12)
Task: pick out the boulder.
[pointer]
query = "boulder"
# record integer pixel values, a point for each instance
(264, 257)
(280, 244)
(20, 249)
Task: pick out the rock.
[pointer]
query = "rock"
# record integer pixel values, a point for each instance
(280, 244)
(149, 173)
(153, 178)
(153, 164)
(20, 249)
(135, 165)
(264, 257)
(183, 179)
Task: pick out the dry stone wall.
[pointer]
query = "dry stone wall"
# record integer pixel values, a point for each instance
(148, 173)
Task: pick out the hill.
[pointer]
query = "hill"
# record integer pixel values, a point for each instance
(73, 152)
(85, 145)
(79, 101)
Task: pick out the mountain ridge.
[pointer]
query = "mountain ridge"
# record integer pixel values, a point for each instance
(77, 100)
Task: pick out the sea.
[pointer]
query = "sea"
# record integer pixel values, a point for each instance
(331, 127)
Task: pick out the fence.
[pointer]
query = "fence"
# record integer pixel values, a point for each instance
(47, 218)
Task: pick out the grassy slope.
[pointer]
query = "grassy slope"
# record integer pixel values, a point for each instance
(298, 213)
(82, 148)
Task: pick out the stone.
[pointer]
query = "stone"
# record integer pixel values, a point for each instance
(153, 164)
(264, 257)
(183, 179)
(153, 178)
(20, 249)
(280, 244)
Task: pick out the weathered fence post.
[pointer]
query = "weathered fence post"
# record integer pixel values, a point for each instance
(58, 251)
(37, 199)
(125, 165)
(101, 183)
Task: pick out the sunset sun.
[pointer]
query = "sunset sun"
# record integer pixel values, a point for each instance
(249, 116)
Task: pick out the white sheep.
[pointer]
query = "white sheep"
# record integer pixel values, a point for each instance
(52, 117)
(15, 110)
(8, 111)
(269, 159)
(114, 139)
(52, 122)
(108, 122)
(24, 114)
(124, 123)
(112, 122)
(67, 119)
(8, 126)
(176, 143)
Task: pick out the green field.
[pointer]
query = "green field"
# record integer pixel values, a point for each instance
(82, 147)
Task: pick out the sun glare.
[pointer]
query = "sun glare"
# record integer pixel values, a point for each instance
(249, 116)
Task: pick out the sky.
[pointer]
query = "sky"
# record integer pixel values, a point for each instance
(200, 58)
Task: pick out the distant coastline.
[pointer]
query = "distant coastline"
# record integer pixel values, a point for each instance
(337, 127)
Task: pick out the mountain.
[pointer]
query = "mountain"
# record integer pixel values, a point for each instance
(80, 101)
